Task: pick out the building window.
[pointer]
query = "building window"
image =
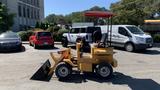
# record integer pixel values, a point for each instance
(38, 3)
(38, 16)
(20, 11)
(32, 13)
(28, 12)
(32, 2)
(24, 11)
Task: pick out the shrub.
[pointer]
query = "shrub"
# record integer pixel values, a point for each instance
(53, 29)
(156, 38)
(24, 35)
(58, 35)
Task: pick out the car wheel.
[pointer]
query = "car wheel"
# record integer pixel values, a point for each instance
(52, 46)
(20, 48)
(129, 47)
(63, 70)
(104, 70)
(64, 42)
(30, 44)
(35, 46)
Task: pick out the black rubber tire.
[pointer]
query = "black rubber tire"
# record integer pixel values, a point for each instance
(30, 44)
(52, 46)
(129, 47)
(63, 70)
(64, 42)
(35, 46)
(102, 67)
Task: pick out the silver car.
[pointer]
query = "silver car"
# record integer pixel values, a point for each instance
(10, 41)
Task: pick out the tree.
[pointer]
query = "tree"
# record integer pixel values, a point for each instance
(134, 11)
(6, 19)
(97, 8)
(73, 17)
(59, 19)
(37, 25)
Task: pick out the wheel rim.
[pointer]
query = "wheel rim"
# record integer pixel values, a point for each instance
(63, 71)
(129, 47)
(34, 46)
(104, 71)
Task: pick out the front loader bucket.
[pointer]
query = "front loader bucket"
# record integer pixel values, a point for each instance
(42, 73)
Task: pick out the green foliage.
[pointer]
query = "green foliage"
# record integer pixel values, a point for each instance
(6, 20)
(37, 25)
(53, 29)
(60, 19)
(42, 25)
(58, 35)
(156, 38)
(25, 35)
(134, 11)
(57, 32)
(73, 17)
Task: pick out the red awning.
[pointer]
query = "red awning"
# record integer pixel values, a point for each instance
(98, 14)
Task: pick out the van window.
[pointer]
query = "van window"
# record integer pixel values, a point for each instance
(92, 29)
(83, 30)
(75, 30)
(135, 30)
(122, 31)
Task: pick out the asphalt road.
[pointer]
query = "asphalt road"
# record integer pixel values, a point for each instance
(135, 71)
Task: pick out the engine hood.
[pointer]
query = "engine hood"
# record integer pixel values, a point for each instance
(143, 35)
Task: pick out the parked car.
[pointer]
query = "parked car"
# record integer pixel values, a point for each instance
(40, 39)
(129, 37)
(10, 41)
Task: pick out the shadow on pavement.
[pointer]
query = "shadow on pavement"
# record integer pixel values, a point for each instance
(23, 49)
(117, 79)
(47, 48)
(149, 52)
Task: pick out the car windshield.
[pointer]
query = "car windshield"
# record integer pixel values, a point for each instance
(135, 30)
(43, 34)
(8, 35)
(92, 29)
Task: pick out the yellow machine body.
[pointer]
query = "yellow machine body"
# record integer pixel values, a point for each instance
(84, 63)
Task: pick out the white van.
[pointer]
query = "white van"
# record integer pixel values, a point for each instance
(128, 36)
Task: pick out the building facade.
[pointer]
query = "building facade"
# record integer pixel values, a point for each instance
(27, 12)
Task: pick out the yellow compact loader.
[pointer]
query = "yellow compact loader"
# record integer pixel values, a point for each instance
(99, 61)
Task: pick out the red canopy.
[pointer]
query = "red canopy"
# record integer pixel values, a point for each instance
(98, 14)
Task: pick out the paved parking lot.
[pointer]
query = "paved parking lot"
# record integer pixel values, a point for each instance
(136, 71)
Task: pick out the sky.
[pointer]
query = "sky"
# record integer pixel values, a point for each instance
(65, 7)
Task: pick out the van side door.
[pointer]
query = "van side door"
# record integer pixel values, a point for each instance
(122, 37)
